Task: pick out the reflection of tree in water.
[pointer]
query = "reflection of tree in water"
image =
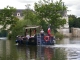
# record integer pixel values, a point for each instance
(7, 50)
(60, 54)
(27, 52)
(21, 52)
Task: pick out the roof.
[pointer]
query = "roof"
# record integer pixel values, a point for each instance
(31, 27)
(19, 11)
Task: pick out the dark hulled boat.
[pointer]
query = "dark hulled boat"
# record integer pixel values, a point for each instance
(35, 38)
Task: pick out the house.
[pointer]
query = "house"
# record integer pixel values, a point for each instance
(19, 13)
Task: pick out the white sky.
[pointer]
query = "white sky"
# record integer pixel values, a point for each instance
(73, 5)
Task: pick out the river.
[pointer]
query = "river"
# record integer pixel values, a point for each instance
(66, 49)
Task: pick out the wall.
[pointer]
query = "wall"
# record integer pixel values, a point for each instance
(75, 32)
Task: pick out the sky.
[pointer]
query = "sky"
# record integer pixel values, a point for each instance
(73, 5)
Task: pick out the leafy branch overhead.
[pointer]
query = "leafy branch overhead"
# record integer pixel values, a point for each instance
(7, 16)
(52, 12)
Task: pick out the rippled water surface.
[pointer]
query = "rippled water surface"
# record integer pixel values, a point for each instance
(66, 49)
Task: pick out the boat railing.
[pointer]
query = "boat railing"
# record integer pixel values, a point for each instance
(38, 39)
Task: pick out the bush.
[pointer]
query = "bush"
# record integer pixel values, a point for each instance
(59, 35)
(18, 29)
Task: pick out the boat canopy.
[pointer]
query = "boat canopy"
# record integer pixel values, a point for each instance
(31, 27)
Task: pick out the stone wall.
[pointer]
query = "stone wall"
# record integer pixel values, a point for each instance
(75, 32)
(65, 32)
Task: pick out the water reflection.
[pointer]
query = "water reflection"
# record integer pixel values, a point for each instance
(73, 54)
(45, 53)
(35, 53)
(40, 53)
(9, 51)
(66, 49)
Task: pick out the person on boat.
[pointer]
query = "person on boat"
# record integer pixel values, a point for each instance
(28, 36)
(42, 32)
(49, 33)
(17, 38)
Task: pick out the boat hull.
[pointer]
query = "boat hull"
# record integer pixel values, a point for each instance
(37, 40)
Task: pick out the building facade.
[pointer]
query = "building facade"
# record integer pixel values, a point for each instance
(65, 29)
(19, 13)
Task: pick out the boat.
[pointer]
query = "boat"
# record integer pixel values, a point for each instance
(35, 37)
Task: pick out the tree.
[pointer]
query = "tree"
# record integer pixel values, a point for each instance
(51, 12)
(72, 18)
(77, 23)
(7, 17)
(74, 21)
(30, 16)
(18, 29)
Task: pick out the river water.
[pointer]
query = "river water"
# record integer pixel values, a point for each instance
(66, 49)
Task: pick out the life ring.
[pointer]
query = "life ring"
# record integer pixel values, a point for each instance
(46, 38)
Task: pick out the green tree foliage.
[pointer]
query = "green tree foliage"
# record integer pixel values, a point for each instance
(18, 29)
(7, 17)
(74, 21)
(51, 12)
(72, 18)
(30, 16)
(77, 23)
(44, 25)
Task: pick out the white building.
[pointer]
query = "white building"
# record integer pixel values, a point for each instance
(65, 29)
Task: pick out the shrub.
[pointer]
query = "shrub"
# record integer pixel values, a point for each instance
(18, 29)
(59, 35)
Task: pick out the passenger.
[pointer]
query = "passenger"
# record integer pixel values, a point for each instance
(24, 38)
(20, 39)
(28, 36)
(42, 32)
(17, 39)
(34, 31)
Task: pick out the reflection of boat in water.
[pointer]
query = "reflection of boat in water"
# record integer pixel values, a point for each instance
(37, 39)
(45, 53)
(36, 53)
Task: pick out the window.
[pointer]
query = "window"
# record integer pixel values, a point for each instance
(18, 14)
